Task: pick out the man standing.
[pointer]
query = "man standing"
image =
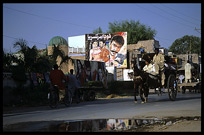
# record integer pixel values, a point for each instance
(158, 61)
(73, 85)
(188, 72)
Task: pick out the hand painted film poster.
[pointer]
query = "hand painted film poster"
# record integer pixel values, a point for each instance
(109, 48)
(90, 71)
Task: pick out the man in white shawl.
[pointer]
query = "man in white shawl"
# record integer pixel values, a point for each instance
(188, 72)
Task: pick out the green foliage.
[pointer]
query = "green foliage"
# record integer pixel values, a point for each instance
(186, 44)
(42, 65)
(98, 30)
(7, 60)
(31, 60)
(135, 30)
(29, 54)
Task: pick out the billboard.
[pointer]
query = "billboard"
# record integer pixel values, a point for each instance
(90, 71)
(108, 48)
(77, 41)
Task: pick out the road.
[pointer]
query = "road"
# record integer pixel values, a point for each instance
(188, 104)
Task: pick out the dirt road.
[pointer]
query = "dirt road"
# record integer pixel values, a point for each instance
(179, 126)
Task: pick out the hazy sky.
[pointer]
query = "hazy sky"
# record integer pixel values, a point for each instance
(38, 23)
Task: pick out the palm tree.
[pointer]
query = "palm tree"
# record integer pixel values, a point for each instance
(57, 52)
(29, 54)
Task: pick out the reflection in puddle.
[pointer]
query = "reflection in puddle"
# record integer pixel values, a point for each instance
(97, 125)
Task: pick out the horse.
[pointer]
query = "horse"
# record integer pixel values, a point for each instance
(142, 82)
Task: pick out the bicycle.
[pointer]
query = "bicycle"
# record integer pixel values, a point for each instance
(53, 97)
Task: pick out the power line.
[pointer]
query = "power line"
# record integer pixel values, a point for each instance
(182, 13)
(18, 38)
(164, 40)
(173, 15)
(48, 18)
(165, 16)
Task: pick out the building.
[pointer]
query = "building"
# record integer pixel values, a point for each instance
(63, 46)
(147, 45)
(193, 58)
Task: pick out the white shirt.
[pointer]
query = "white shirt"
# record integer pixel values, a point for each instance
(188, 71)
(148, 68)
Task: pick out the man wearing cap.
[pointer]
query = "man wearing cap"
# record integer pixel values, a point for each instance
(158, 61)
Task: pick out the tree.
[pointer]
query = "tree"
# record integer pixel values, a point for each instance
(7, 61)
(29, 54)
(42, 65)
(186, 44)
(31, 61)
(135, 30)
(59, 53)
(98, 30)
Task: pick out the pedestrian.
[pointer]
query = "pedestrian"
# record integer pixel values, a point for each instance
(74, 85)
(188, 72)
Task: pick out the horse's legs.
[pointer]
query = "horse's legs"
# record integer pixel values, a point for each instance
(141, 89)
(146, 93)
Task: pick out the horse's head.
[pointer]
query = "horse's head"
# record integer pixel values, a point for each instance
(135, 68)
(138, 74)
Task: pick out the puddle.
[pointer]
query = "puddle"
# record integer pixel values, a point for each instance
(96, 125)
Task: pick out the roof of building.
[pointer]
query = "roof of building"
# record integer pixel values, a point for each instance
(58, 40)
(147, 45)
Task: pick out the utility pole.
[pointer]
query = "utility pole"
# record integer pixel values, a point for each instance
(198, 30)
(190, 56)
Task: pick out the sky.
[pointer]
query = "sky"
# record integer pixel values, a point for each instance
(37, 23)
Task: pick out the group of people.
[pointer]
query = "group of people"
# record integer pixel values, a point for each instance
(57, 77)
(156, 66)
(114, 55)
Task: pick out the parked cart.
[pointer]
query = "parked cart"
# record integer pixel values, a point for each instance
(191, 86)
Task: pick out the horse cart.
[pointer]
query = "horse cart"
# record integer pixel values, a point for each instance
(144, 81)
(194, 85)
(191, 86)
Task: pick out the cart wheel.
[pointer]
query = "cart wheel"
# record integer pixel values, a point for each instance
(172, 87)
